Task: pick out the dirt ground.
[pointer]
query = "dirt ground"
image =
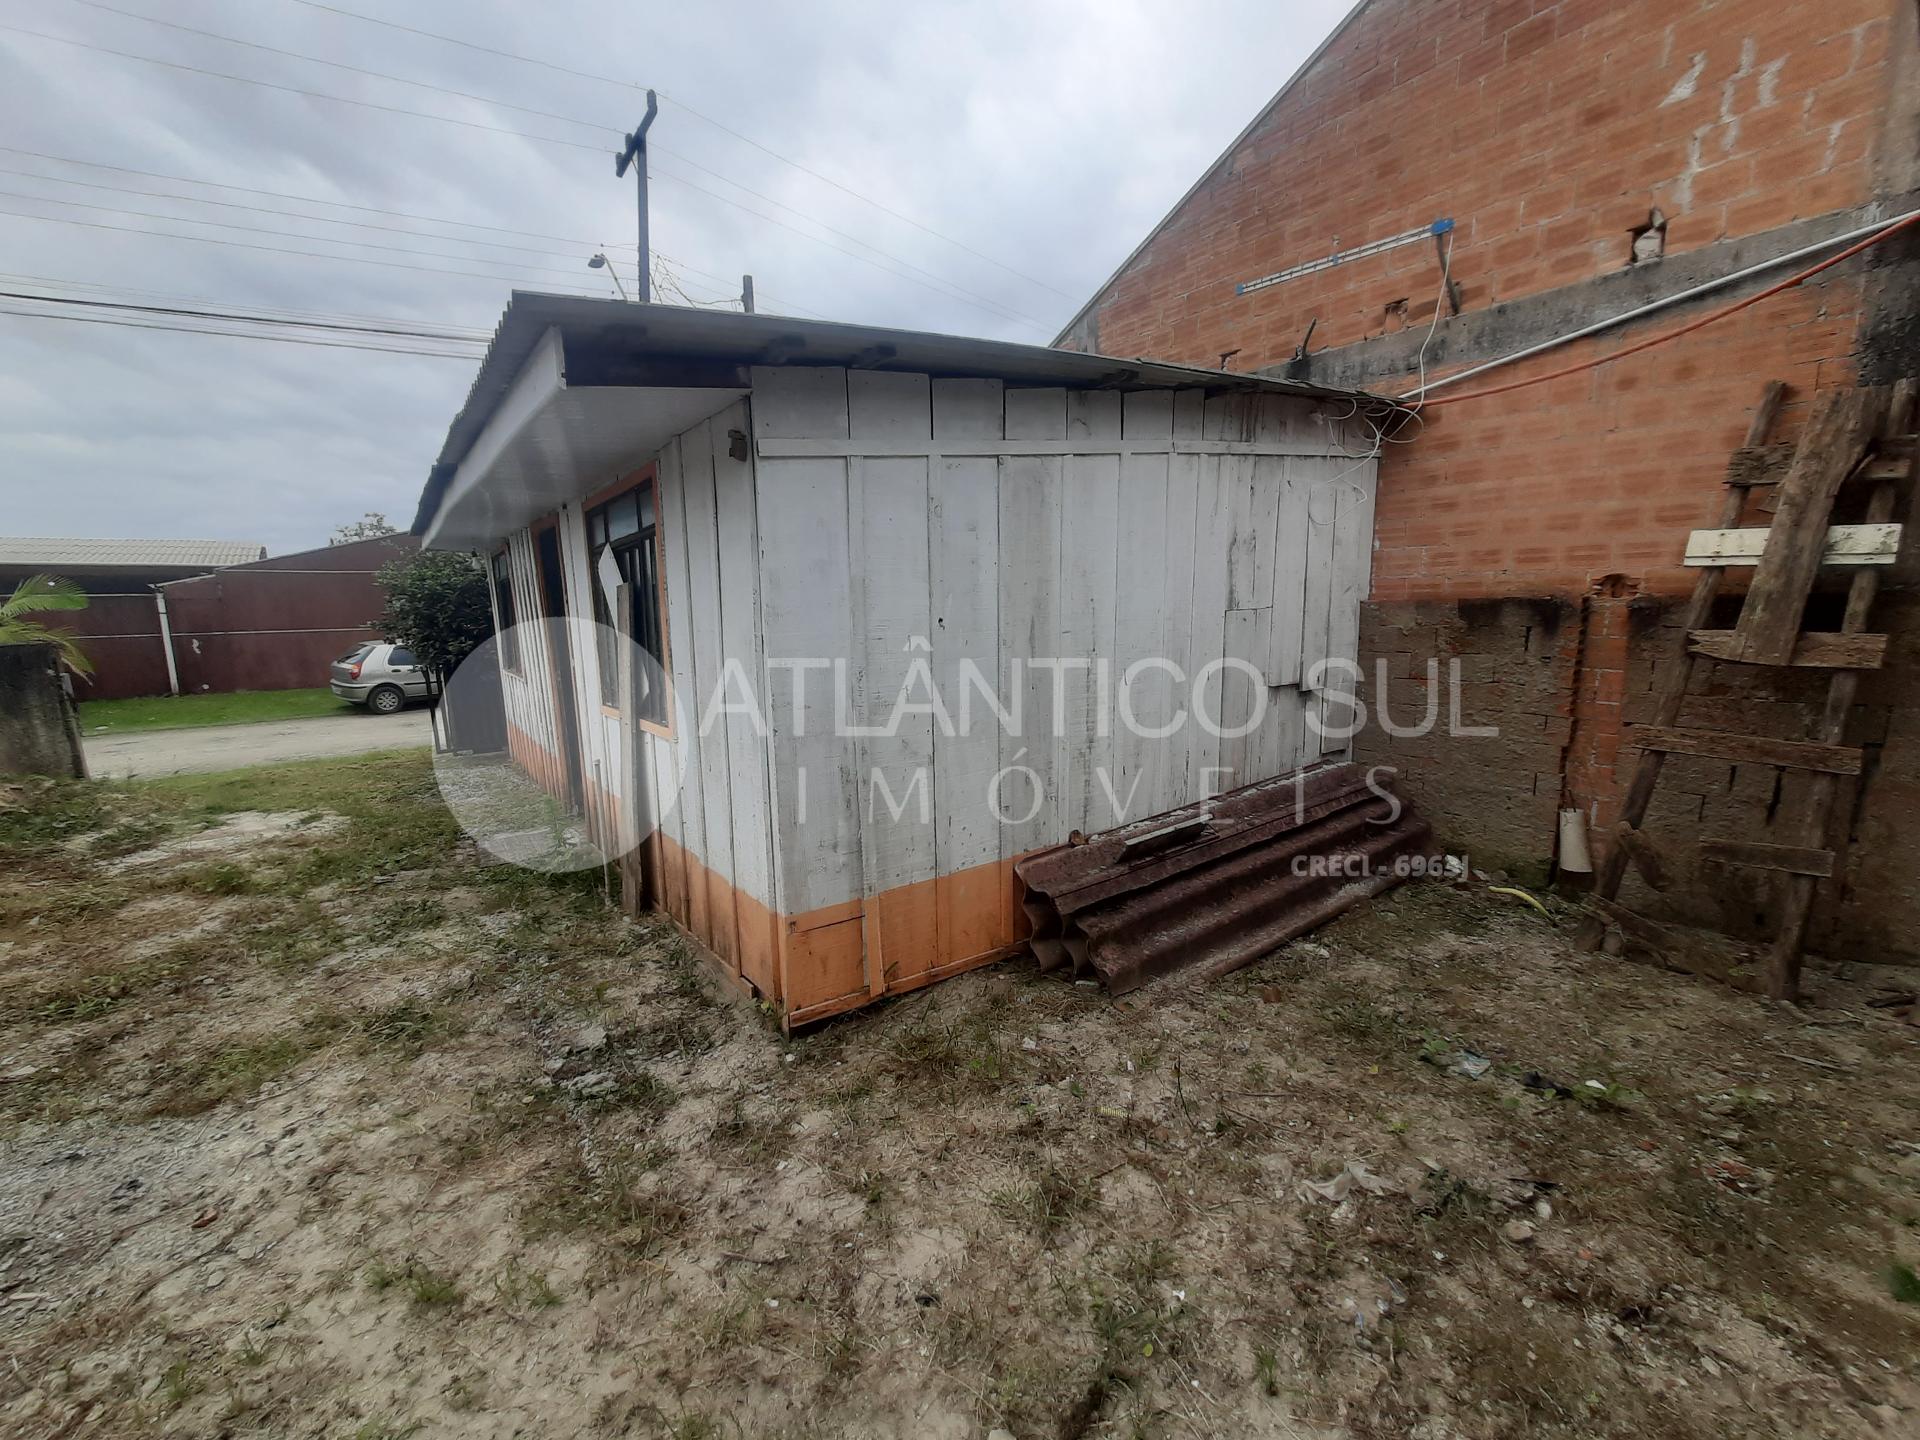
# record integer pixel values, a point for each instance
(313, 1124)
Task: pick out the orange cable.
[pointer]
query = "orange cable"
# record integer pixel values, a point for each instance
(1705, 320)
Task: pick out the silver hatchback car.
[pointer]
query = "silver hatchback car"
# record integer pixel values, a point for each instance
(380, 676)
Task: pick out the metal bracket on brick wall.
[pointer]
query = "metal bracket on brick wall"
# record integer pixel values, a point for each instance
(1341, 257)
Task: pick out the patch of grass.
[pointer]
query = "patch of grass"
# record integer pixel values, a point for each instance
(179, 1384)
(424, 1286)
(222, 877)
(1903, 1283)
(408, 1026)
(973, 1051)
(237, 1071)
(1047, 1204)
(515, 1285)
(176, 712)
(611, 1201)
(1266, 1371)
(388, 1430)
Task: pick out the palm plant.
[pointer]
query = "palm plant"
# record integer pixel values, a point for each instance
(37, 595)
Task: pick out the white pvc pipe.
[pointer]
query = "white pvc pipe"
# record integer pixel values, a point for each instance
(1653, 307)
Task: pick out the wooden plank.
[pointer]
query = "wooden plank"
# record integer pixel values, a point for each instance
(1846, 545)
(1756, 465)
(1089, 549)
(887, 516)
(1323, 494)
(1030, 619)
(1810, 651)
(1291, 531)
(1647, 856)
(707, 647)
(684, 824)
(963, 541)
(748, 767)
(1212, 537)
(1791, 859)
(1147, 697)
(1352, 560)
(1842, 423)
(1748, 749)
(1179, 778)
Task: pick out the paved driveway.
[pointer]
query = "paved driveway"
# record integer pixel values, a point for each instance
(234, 747)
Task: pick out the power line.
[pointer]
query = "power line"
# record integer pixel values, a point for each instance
(318, 344)
(310, 199)
(932, 281)
(261, 210)
(288, 235)
(60, 284)
(698, 115)
(391, 328)
(278, 250)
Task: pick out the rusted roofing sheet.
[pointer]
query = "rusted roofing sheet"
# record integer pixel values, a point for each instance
(1221, 883)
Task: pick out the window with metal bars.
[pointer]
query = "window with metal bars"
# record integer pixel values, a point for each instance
(623, 548)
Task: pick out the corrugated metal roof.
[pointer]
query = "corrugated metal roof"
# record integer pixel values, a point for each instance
(42, 553)
(652, 339)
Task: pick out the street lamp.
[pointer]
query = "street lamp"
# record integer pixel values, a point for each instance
(600, 262)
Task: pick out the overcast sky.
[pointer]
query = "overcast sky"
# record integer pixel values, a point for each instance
(1045, 135)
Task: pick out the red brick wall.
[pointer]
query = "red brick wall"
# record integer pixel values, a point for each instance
(1546, 129)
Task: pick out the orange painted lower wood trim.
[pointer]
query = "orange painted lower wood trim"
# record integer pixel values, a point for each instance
(840, 957)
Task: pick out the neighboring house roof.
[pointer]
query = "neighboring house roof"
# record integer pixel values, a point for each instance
(39, 553)
(618, 343)
(1225, 155)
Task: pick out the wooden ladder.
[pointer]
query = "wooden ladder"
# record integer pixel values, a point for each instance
(1853, 437)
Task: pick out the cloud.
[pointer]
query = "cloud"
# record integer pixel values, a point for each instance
(1049, 137)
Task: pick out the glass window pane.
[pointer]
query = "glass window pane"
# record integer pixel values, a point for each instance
(597, 529)
(646, 506)
(623, 516)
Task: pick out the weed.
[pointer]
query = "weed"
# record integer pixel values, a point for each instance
(252, 1354)
(1361, 1019)
(1903, 1283)
(696, 1427)
(1608, 1097)
(178, 1384)
(1047, 1204)
(517, 1286)
(424, 1285)
(220, 878)
(387, 1430)
(1266, 1369)
(608, 1200)
(408, 1026)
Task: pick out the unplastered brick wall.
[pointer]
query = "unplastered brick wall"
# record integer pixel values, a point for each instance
(1546, 129)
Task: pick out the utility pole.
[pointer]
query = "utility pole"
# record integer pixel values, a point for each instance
(636, 155)
(746, 293)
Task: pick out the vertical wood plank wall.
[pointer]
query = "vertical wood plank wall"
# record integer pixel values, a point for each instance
(1088, 554)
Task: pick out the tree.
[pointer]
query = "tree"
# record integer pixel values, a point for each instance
(39, 594)
(437, 607)
(370, 526)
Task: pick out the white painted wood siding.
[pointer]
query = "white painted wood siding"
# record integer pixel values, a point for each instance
(902, 518)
